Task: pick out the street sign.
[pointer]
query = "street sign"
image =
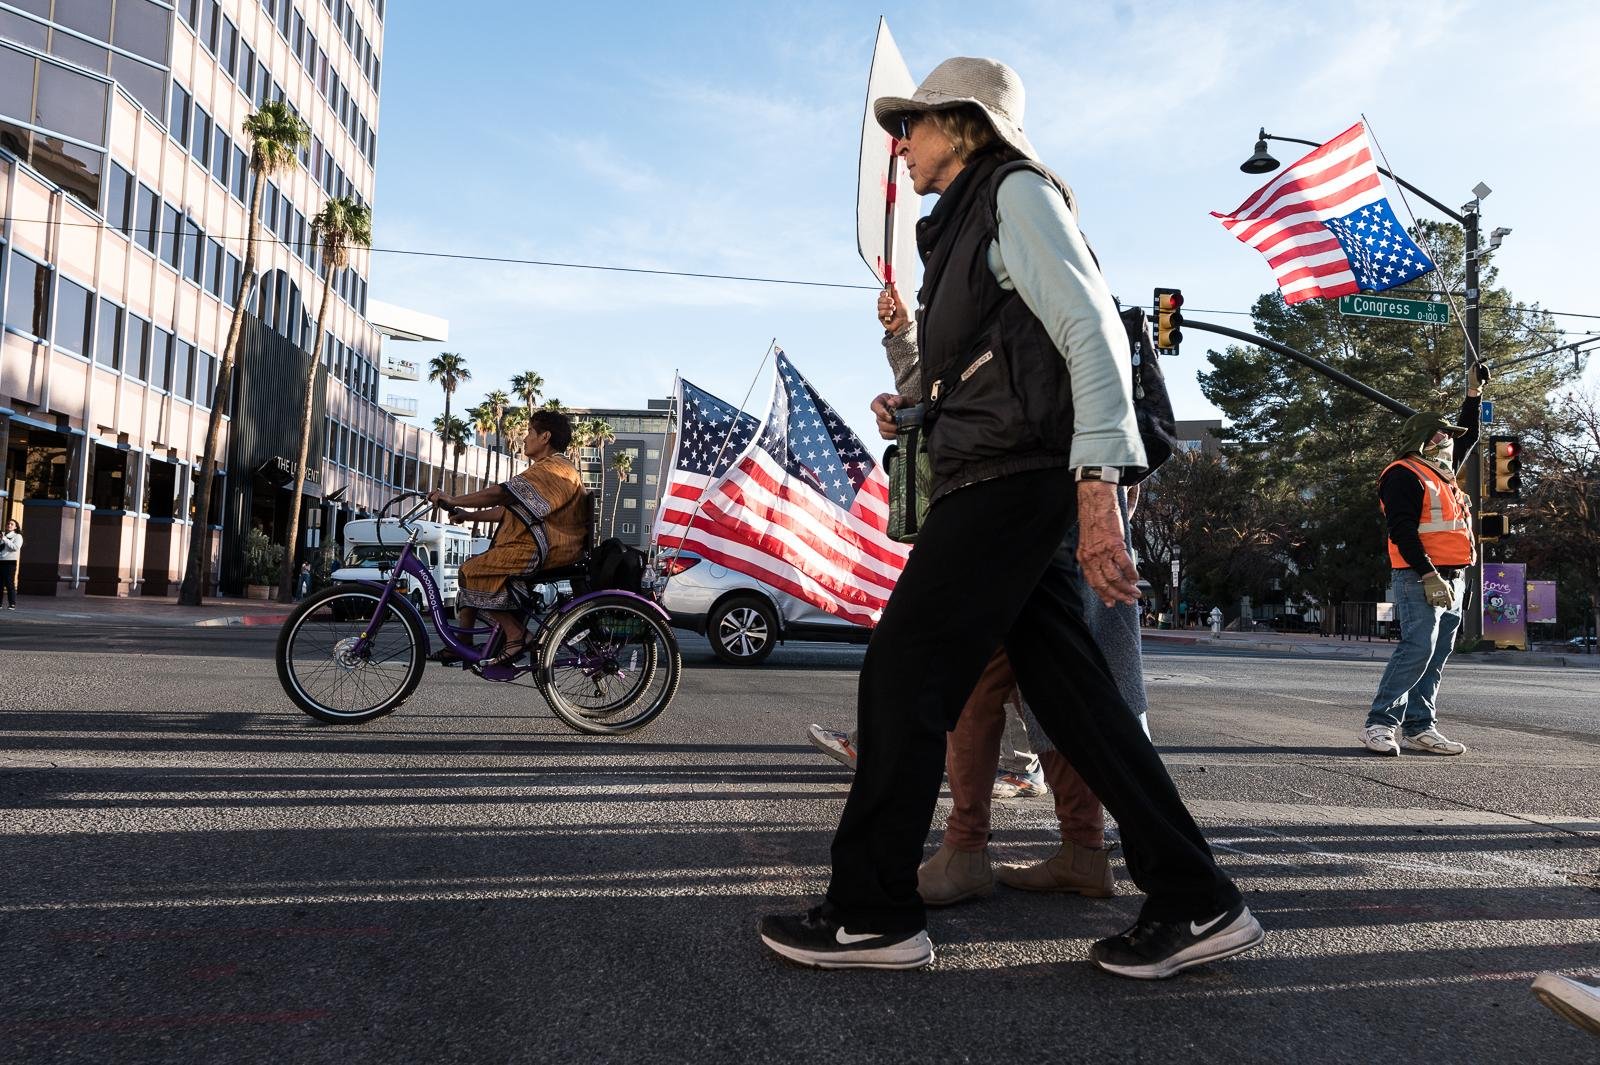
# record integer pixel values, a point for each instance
(1174, 573)
(1487, 408)
(1396, 309)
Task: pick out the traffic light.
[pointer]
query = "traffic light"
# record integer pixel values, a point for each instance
(1493, 527)
(1505, 480)
(1169, 319)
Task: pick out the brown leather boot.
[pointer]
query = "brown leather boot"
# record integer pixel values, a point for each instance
(952, 876)
(1073, 868)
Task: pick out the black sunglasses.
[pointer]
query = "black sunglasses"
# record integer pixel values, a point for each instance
(907, 121)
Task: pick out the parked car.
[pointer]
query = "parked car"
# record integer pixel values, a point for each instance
(744, 618)
(1582, 643)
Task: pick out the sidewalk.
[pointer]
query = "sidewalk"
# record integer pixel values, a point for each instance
(1310, 645)
(143, 609)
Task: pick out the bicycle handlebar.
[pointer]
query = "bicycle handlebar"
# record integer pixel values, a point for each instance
(404, 520)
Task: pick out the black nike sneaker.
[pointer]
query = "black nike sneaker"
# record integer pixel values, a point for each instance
(1155, 950)
(821, 942)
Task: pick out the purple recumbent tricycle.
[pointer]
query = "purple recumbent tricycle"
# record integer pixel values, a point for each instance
(606, 660)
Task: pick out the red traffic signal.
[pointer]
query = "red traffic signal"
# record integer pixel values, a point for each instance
(1169, 319)
(1505, 460)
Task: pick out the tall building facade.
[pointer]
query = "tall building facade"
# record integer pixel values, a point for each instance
(125, 180)
(627, 508)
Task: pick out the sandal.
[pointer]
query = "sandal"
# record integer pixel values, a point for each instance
(508, 655)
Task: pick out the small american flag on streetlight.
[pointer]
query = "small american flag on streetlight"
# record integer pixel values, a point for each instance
(1326, 227)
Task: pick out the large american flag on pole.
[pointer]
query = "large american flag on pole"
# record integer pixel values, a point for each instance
(803, 508)
(1326, 227)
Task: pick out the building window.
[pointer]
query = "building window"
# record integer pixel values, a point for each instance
(28, 296)
(161, 489)
(171, 235)
(108, 337)
(213, 267)
(629, 528)
(630, 504)
(64, 100)
(74, 321)
(652, 453)
(178, 114)
(239, 179)
(230, 284)
(109, 483)
(135, 347)
(200, 138)
(193, 250)
(147, 219)
(221, 155)
(182, 369)
(160, 359)
(48, 460)
(119, 199)
(207, 382)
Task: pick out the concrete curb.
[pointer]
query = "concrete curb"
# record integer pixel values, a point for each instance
(243, 619)
(1355, 652)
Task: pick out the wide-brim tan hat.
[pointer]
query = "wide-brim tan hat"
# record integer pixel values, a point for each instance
(987, 84)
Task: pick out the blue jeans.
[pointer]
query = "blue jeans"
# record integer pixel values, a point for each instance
(1427, 633)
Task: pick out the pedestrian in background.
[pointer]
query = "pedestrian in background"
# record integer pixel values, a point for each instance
(1010, 294)
(1216, 621)
(10, 552)
(1429, 520)
(302, 584)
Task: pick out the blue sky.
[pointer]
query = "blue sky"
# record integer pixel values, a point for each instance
(723, 138)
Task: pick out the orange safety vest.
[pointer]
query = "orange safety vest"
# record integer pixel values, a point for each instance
(1446, 525)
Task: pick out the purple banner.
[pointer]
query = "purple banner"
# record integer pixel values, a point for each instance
(1505, 590)
(1541, 602)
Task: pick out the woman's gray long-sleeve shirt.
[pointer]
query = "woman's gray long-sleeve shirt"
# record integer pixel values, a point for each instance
(1040, 254)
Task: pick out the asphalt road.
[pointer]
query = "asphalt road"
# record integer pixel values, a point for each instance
(195, 872)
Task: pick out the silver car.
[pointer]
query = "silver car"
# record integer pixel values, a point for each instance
(744, 618)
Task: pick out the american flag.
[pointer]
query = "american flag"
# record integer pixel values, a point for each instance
(711, 435)
(804, 509)
(1326, 227)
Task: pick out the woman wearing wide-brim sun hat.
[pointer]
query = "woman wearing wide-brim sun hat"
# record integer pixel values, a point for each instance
(1023, 361)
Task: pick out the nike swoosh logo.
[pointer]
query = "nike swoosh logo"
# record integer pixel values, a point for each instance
(1202, 929)
(847, 938)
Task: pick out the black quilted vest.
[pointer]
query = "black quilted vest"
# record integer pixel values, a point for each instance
(999, 398)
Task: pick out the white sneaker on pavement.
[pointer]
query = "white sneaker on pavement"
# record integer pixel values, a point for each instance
(834, 744)
(1578, 1003)
(1433, 742)
(1379, 739)
(1028, 784)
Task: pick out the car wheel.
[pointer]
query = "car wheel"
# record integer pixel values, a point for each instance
(743, 631)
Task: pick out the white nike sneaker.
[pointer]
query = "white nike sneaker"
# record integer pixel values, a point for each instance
(1379, 739)
(821, 941)
(1433, 742)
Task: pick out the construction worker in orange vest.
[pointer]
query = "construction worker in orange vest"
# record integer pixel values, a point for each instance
(1429, 521)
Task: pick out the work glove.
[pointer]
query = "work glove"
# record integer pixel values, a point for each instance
(1438, 591)
(1481, 371)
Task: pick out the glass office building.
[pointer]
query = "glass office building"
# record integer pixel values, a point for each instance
(124, 174)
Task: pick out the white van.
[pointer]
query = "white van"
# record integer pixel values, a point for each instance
(370, 549)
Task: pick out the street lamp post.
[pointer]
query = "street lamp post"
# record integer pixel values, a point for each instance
(1262, 162)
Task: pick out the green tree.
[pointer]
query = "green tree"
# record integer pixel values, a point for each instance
(448, 369)
(622, 464)
(552, 405)
(1556, 528)
(500, 404)
(1317, 448)
(483, 421)
(275, 135)
(342, 224)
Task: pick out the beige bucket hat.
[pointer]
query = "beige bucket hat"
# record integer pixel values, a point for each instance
(988, 84)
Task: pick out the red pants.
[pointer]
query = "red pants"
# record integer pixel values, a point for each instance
(972, 756)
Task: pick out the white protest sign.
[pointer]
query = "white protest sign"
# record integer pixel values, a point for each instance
(886, 206)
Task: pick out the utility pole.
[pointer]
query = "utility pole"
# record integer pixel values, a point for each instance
(1472, 608)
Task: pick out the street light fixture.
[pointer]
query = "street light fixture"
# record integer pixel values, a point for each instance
(1262, 162)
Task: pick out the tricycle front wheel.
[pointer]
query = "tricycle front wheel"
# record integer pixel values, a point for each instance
(342, 662)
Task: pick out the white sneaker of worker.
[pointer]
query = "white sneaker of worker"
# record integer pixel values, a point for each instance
(834, 744)
(1379, 739)
(1433, 742)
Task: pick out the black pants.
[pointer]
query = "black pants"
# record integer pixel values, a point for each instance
(8, 580)
(986, 571)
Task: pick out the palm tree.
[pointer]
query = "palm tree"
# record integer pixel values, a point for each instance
(553, 404)
(482, 419)
(452, 432)
(340, 225)
(529, 386)
(597, 433)
(622, 463)
(276, 136)
(449, 369)
(499, 403)
(516, 424)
